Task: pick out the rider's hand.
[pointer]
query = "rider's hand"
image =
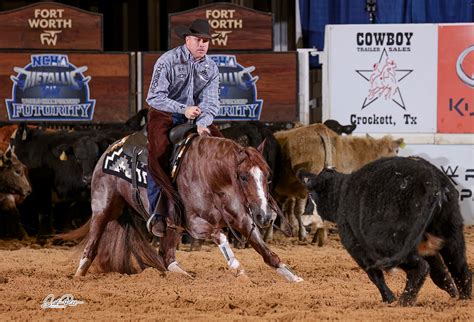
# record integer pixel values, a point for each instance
(192, 112)
(202, 129)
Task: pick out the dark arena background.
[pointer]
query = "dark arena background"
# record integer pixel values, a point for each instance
(312, 84)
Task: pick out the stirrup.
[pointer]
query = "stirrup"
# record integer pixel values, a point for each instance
(148, 223)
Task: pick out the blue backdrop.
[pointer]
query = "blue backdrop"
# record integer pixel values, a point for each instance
(316, 14)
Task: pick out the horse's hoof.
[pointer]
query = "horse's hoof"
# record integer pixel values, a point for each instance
(84, 265)
(298, 280)
(239, 272)
(242, 277)
(287, 273)
(175, 268)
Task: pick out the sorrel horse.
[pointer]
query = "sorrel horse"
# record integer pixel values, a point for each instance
(221, 184)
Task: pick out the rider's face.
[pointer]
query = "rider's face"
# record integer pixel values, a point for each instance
(197, 46)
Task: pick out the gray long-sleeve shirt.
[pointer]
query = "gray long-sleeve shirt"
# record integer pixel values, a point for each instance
(179, 81)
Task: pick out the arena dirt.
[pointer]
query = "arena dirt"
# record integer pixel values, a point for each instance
(334, 287)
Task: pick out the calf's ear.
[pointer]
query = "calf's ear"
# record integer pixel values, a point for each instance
(396, 144)
(62, 151)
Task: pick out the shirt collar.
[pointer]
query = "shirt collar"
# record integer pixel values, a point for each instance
(188, 55)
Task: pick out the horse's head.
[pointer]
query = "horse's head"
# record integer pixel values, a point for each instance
(253, 176)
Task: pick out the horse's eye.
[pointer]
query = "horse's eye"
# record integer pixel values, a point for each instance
(244, 177)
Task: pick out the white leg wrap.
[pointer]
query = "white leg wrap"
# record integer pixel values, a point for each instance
(228, 253)
(286, 272)
(174, 267)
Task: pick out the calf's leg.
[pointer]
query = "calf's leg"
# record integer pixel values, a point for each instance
(454, 256)
(377, 277)
(440, 275)
(416, 269)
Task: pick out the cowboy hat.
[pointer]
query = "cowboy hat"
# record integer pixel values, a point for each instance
(198, 28)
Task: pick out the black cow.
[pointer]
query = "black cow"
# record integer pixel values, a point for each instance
(397, 212)
(50, 171)
(62, 163)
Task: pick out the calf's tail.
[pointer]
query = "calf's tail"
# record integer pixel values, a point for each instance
(413, 239)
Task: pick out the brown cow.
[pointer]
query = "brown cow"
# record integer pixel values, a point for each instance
(14, 187)
(314, 146)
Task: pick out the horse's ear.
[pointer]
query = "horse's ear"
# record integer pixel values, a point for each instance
(261, 146)
(240, 156)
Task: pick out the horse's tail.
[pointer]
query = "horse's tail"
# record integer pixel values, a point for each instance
(124, 248)
(74, 235)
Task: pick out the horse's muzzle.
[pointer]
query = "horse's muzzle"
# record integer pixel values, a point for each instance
(263, 218)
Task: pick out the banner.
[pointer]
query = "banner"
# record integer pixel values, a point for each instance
(456, 161)
(383, 77)
(235, 27)
(50, 26)
(456, 78)
(252, 87)
(65, 87)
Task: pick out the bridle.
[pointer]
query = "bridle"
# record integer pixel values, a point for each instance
(250, 212)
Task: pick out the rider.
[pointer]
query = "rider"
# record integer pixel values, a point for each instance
(185, 85)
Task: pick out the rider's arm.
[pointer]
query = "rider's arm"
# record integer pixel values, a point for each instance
(159, 89)
(209, 100)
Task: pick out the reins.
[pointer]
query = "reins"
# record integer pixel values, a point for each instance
(247, 206)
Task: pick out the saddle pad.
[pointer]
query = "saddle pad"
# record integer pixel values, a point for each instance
(118, 164)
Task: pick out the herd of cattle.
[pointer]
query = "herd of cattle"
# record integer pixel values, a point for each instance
(60, 164)
(364, 197)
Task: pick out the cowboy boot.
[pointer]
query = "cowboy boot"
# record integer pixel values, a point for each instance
(157, 222)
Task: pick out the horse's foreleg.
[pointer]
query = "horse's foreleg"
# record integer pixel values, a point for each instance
(168, 245)
(229, 256)
(269, 257)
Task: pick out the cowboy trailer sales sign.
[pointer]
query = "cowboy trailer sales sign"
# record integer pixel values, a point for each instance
(383, 77)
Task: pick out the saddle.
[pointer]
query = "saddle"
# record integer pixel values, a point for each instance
(135, 146)
(136, 143)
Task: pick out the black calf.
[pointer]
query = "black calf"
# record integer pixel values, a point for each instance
(397, 212)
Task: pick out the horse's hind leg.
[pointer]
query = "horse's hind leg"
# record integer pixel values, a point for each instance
(101, 215)
(98, 223)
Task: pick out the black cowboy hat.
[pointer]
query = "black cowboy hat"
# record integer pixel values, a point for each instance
(198, 28)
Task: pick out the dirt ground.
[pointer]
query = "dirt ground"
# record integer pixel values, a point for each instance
(334, 287)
